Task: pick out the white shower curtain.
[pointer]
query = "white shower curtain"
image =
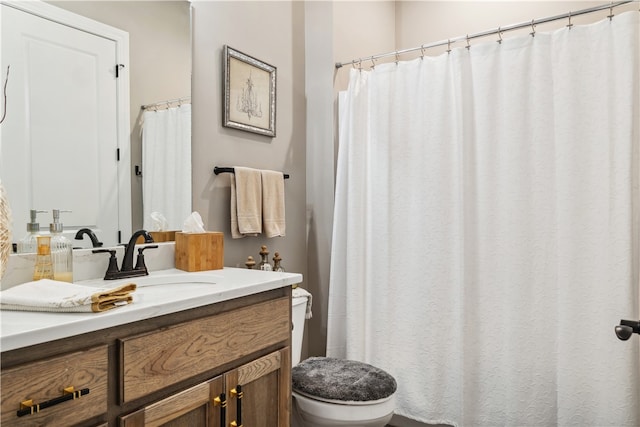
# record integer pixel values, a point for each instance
(486, 229)
(166, 165)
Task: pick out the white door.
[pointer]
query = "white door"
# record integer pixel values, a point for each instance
(59, 140)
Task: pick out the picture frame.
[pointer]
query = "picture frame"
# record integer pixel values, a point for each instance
(249, 93)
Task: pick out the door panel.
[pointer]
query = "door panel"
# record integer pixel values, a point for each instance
(265, 385)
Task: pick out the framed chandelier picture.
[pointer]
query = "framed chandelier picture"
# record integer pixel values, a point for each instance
(249, 93)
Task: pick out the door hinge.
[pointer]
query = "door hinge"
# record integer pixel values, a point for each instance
(117, 154)
(118, 68)
(119, 236)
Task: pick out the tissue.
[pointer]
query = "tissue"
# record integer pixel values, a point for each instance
(158, 222)
(193, 224)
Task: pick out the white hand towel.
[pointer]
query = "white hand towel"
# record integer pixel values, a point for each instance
(273, 217)
(56, 296)
(299, 292)
(246, 202)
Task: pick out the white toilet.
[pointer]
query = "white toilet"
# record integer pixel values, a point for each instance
(324, 393)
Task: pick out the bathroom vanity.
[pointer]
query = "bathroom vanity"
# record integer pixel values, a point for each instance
(209, 352)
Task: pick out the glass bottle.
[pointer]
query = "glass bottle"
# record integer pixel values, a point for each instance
(29, 243)
(264, 262)
(61, 250)
(44, 267)
(276, 263)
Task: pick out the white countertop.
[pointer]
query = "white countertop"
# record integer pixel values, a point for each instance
(23, 328)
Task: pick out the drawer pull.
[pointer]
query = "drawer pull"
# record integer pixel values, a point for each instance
(27, 407)
(238, 393)
(222, 402)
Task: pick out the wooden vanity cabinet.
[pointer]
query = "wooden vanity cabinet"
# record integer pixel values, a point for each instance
(175, 370)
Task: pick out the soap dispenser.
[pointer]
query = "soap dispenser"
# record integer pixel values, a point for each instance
(61, 250)
(43, 268)
(29, 243)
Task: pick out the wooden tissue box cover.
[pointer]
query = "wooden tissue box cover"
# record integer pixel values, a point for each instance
(159, 236)
(163, 236)
(199, 251)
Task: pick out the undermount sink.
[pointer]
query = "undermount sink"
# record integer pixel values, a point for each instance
(164, 277)
(169, 279)
(174, 278)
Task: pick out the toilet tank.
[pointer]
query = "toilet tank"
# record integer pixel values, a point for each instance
(299, 308)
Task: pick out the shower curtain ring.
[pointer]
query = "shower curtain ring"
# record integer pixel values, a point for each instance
(397, 57)
(569, 24)
(373, 63)
(468, 45)
(533, 28)
(359, 64)
(610, 16)
(449, 46)
(421, 51)
(499, 36)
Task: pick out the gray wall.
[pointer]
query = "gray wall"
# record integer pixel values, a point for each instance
(272, 32)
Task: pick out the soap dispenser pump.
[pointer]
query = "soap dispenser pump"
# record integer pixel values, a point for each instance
(61, 250)
(29, 243)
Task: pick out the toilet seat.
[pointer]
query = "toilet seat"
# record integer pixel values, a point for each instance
(342, 402)
(342, 379)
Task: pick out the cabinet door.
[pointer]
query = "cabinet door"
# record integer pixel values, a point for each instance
(259, 393)
(194, 407)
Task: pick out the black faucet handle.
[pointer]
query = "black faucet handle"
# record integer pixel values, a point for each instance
(112, 269)
(140, 259)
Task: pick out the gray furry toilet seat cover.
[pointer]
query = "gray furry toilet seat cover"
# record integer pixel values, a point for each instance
(340, 379)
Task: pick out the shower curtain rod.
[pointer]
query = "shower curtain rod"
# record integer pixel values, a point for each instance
(180, 101)
(498, 30)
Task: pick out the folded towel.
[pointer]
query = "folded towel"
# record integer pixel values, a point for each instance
(246, 202)
(273, 218)
(299, 292)
(56, 296)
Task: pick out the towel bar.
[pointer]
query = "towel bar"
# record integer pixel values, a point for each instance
(218, 170)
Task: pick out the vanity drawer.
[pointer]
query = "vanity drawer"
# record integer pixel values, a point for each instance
(156, 360)
(45, 381)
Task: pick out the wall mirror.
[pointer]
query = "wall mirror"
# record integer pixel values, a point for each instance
(158, 69)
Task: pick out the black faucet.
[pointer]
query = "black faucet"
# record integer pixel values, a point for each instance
(127, 261)
(94, 240)
(128, 270)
